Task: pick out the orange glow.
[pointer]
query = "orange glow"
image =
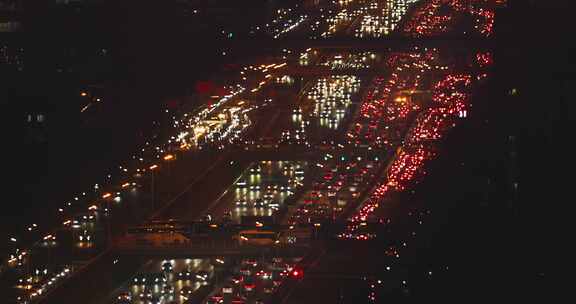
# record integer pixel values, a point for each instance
(83, 94)
(153, 167)
(124, 185)
(168, 157)
(107, 195)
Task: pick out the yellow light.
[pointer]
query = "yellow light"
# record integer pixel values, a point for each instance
(280, 65)
(124, 185)
(168, 157)
(106, 195)
(83, 94)
(153, 167)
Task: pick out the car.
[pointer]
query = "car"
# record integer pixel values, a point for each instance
(184, 275)
(202, 276)
(145, 295)
(245, 271)
(140, 279)
(264, 274)
(216, 298)
(186, 291)
(241, 203)
(124, 298)
(250, 262)
(237, 279)
(249, 286)
(167, 266)
(259, 203)
(156, 278)
(168, 290)
(268, 289)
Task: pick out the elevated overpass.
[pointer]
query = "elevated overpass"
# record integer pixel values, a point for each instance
(388, 43)
(298, 152)
(221, 248)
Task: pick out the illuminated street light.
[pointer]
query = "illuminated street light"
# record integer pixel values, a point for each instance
(168, 157)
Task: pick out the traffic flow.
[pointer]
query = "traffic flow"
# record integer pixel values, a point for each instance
(369, 137)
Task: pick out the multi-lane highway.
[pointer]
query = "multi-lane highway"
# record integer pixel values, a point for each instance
(314, 141)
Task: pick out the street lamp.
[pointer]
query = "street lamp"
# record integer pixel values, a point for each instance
(169, 158)
(152, 168)
(106, 196)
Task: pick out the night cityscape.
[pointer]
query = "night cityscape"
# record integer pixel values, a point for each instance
(284, 151)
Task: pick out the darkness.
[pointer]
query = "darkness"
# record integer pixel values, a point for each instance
(504, 244)
(119, 51)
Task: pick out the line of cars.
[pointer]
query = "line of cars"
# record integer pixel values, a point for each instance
(253, 280)
(168, 281)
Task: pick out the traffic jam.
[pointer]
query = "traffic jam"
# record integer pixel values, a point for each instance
(392, 125)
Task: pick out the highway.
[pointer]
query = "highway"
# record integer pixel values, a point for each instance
(330, 152)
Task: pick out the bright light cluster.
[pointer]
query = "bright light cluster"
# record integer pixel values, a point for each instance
(284, 21)
(340, 180)
(449, 101)
(215, 125)
(450, 96)
(379, 23)
(484, 22)
(219, 124)
(261, 191)
(436, 17)
(392, 101)
(359, 60)
(484, 59)
(338, 21)
(332, 96)
(40, 282)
